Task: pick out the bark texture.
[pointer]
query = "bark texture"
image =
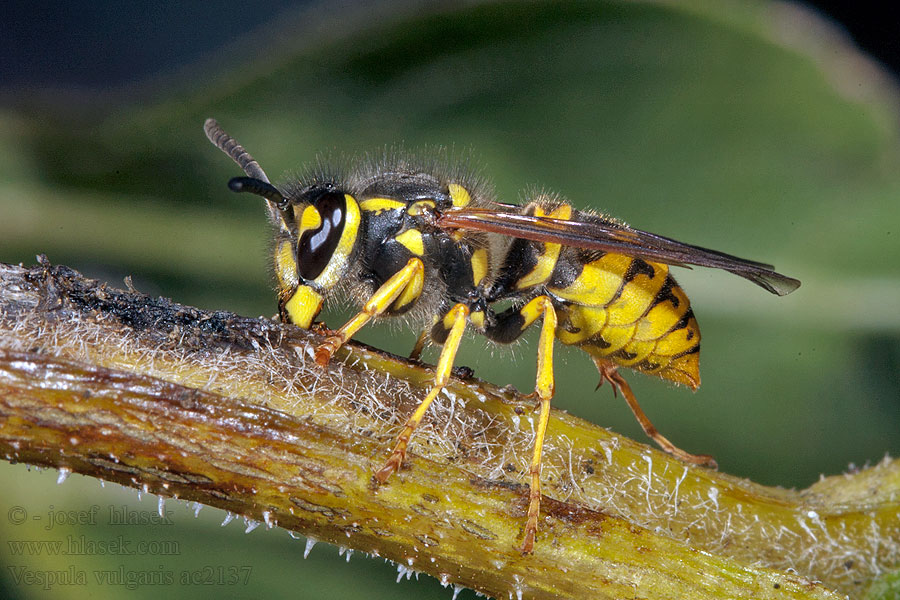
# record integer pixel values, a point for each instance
(234, 413)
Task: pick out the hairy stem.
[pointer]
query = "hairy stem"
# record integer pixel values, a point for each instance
(234, 413)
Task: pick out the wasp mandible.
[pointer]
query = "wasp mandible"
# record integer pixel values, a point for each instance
(401, 238)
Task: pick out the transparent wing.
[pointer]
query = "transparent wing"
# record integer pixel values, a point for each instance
(613, 237)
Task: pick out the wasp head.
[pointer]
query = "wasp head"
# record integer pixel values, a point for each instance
(317, 229)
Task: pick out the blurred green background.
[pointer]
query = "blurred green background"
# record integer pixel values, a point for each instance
(752, 128)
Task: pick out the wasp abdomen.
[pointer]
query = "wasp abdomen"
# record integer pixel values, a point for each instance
(631, 312)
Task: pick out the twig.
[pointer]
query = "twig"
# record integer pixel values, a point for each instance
(232, 412)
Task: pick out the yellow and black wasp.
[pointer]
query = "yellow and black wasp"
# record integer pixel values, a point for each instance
(398, 238)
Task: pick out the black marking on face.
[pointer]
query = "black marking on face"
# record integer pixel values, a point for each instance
(316, 246)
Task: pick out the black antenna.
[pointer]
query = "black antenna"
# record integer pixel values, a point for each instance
(229, 146)
(252, 185)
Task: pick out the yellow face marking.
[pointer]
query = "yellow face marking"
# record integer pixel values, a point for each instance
(412, 240)
(546, 262)
(477, 319)
(416, 208)
(337, 266)
(378, 205)
(309, 219)
(479, 262)
(286, 266)
(303, 306)
(459, 195)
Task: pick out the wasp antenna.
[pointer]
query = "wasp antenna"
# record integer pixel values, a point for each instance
(252, 185)
(230, 146)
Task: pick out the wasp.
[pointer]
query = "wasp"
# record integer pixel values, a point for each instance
(401, 238)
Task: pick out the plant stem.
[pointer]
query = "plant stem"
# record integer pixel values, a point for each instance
(234, 413)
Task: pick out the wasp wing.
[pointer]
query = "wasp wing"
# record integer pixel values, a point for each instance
(598, 234)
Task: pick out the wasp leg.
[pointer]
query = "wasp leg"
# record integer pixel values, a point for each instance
(507, 327)
(405, 282)
(543, 387)
(609, 372)
(420, 345)
(455, 321)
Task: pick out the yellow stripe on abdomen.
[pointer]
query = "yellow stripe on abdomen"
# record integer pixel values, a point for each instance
(598, 283)
(632, 313)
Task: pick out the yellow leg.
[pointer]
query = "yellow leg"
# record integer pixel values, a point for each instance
(457, 316)
(609, 372)
(420, 345)
(543, 388)
(380, 301)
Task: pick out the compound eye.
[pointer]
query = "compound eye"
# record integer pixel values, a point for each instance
(318, 243)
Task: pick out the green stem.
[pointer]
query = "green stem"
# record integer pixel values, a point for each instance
(234, 413)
